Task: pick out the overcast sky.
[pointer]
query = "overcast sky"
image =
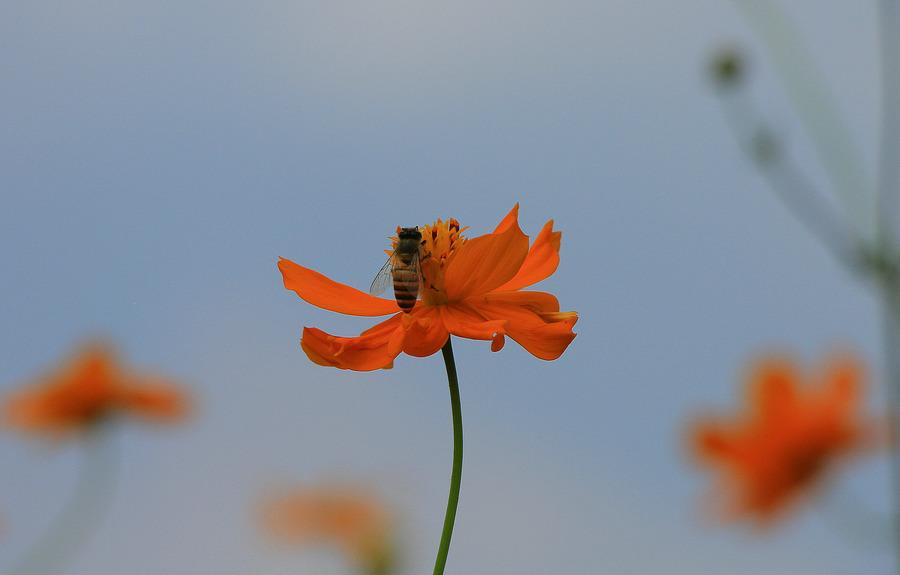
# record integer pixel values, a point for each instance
(157, 157)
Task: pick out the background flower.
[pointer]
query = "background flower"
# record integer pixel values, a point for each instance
(86, 390)
(351, 519)
(793, 430)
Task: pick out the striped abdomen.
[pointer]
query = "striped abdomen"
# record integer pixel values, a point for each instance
(406, 280)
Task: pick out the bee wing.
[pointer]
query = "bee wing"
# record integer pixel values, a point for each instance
(414, 266)
(383, 278)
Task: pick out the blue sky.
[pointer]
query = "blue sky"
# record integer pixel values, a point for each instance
(157, 158)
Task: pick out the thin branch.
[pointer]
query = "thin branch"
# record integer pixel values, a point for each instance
(888, 190)
(892, 360)
(83, 514)
(889, 161)
(790, 184)
(814, 104)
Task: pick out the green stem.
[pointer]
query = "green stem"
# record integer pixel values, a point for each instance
(81, 516)
(889, 174)
(815, 106)
(791, 186)
(456, 474)
(892, 342)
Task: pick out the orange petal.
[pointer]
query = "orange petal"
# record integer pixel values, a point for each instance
(537, 332)
(24, 411)
(462, 320)
(425, 332)
(568, 317)
(370, 350)
(712, 442)
(155, 399)
(95, 361)
(548, 341)
(484, 263)
(773, 388)
(537, 301)
(507, 222)
(541, 261)
(328, 294)
(843, 377)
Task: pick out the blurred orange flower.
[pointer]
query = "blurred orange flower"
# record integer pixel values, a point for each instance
(471, 288)
(788, 437)
(353, 520)
(87, 389)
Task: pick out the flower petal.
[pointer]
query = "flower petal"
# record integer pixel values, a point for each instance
(370, 350)
(537, 301)
(463, 321)
(155, 399)
(773, 389)
(843, 376)
(541, 261)
(546, 335)
(508, 220)
(713, 442)
(325, 293)
(548, 341)
(425, 332)
(484, 263)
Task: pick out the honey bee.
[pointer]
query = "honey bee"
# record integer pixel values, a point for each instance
(403, 268)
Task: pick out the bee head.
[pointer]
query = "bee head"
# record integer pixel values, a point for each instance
(409, 234)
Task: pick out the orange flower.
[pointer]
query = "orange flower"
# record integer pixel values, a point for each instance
(788, 438)
(88, 389)
(471, 288)
(353, 520)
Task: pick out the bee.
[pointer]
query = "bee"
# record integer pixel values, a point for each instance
(403, 268)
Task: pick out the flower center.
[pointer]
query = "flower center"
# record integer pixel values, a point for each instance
(804, 463)
(440, 241)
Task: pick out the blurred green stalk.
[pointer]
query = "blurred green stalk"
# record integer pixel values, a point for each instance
(892, 361)
(815, 107)
(889, 161)
(82, 515)
(888, 199)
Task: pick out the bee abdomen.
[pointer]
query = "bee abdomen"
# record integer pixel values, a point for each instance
(406, 288)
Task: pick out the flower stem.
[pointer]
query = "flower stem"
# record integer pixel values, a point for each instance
(892, 341)
(888, 201)
(81, 516)
(815, 106)
(456, 474)
(889, 172)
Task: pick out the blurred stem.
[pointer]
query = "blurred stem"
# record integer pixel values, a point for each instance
(889, 161)
(456, 473)
(892, 358)
(82, 515)
(789, 183)
(814, 105)
(888, 191)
